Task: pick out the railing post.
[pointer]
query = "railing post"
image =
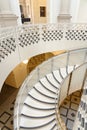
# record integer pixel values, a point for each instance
(17, 42)
(38, 74)
(52, 60)
(67, 62)
(85, 57)
(85, 76)
(70, 78)
(40, 32)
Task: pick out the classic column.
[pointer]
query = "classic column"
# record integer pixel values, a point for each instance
(5, 6)
(64, 13)
(8, 17)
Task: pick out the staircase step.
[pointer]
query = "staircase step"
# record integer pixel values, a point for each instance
(52, 81)
(48, 85)
(57, 76)
(36, 113)
(44, 90)
(39, 96)
(31, 123)
(30, 101)
(63, 72)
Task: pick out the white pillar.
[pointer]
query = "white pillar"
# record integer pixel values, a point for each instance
(15, 9)
(5, 6)
(64, 14)
(65, 7)
(52, 10)
(9, 13)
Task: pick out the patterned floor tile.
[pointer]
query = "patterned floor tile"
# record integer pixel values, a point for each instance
(74, 106)
(69, 124)
(5, 117)
(66, 104)
(70, 104)
(63, 111)
(68, 98)
(1, 125)
(9, 123)
(75, 99)
(5, 128)
(71, 114)
(78, 93)
(6, 112)
(64, 118)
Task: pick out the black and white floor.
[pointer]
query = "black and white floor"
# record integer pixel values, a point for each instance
(69, 108)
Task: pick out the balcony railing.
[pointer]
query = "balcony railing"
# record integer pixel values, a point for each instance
(24, 36)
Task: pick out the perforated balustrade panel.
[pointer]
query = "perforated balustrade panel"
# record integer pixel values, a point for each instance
(77, 32)
(7, 46)
(76, 35)
(50, 35)
(29, 35)
(52, 32)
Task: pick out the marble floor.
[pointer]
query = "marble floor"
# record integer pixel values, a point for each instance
(67, 109)
(7, 99)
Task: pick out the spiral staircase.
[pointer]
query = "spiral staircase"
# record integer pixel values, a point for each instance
(39, 107)
(39, 98)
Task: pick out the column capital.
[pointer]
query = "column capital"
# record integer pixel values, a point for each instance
(8, 20)
(9, 13)
(64, 18)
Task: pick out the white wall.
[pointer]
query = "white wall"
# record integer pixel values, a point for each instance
(10, 10)
(78, 9)
(16, 9)
(82, 14)
(5, 6)
(74, 8)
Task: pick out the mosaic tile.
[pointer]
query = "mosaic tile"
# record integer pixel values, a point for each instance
(69, 124)
(6, 112)
(68, 98)
(5, 128)
(9, 123)
(78, 93)
(75, 99)
(71, 103)
(5, 117)
(1, 125)
(64, 118)
(66, 104)
(71, 114)
(63, 111)
(74, 106)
